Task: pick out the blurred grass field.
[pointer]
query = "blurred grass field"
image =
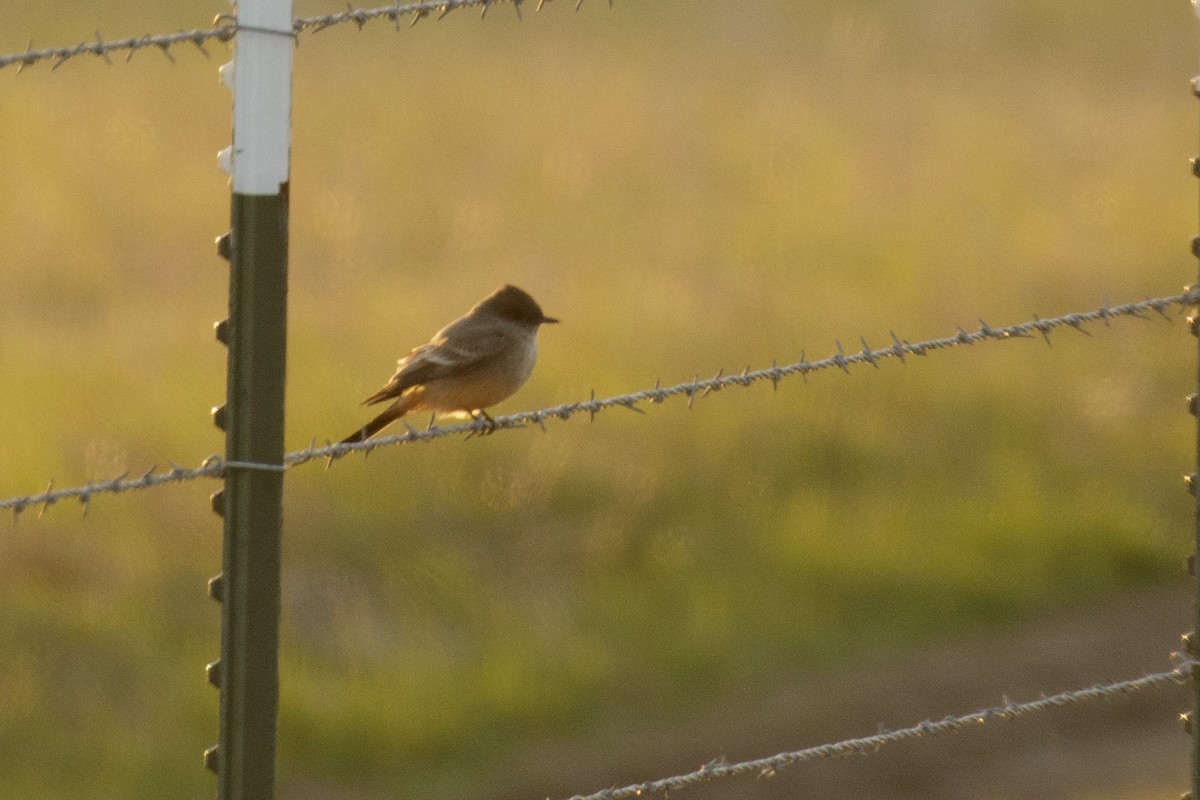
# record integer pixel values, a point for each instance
(689, 186)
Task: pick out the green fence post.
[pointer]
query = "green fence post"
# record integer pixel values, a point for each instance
(251, 501)
(1190, 640)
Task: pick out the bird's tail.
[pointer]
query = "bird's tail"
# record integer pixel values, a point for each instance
(395, 411)
(387, 417)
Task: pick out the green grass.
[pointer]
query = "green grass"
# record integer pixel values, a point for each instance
(690, 188)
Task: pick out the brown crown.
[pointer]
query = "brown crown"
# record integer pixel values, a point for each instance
(511, 303)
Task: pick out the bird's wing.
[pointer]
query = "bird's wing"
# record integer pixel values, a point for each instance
(454, 349)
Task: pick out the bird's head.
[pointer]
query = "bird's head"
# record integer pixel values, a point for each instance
(513, 304)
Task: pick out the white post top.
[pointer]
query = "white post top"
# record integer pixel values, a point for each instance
(260, 77)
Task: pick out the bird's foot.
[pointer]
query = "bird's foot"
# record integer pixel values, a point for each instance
(484, 424)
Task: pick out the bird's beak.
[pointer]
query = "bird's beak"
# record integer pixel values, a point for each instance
(548, 320)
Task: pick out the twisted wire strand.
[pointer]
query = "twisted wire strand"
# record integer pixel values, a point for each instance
(225, 28)
(214, 466)
(865, 745)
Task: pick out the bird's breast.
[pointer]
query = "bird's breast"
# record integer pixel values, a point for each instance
(496, 379)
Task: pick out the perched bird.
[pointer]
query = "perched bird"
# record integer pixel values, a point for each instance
(474, 362)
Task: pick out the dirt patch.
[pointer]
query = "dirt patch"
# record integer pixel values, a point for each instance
(1126, 747)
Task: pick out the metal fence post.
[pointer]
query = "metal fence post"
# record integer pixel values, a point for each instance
(1190, 639)
(251, 501)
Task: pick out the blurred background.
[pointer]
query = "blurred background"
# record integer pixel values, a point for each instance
(689, 186)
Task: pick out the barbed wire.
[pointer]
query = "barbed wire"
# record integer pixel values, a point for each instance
(865, 745)
(225, 27)
(698, 387)
(214, 466)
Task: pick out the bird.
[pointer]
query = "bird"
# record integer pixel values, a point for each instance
(476, 361)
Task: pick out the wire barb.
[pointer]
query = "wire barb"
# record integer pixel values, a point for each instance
(840, 358)
(100, 51)
(48, 494)
(868, 354)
